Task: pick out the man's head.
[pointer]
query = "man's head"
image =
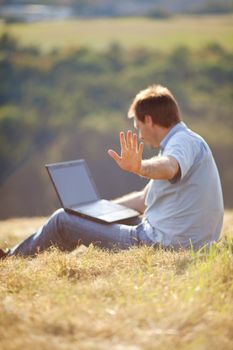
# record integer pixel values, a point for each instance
(155, 111)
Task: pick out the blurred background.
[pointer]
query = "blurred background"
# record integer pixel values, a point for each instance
(70, 68)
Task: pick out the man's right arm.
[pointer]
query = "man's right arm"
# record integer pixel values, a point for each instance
(156, 168)
(134, 200)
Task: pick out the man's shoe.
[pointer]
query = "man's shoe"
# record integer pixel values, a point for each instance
(3, 254)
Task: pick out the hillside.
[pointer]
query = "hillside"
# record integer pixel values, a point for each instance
(92, 299)
(193, 32)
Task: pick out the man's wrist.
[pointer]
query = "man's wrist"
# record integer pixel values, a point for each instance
(141, 170)
(146, 170)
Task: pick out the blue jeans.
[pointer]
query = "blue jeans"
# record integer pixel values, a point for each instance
(66, 231)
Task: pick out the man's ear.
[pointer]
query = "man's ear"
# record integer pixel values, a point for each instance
(148, 120)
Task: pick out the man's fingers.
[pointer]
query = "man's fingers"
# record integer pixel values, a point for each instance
(114, 155)
(135, 142)
(141, 148)
(123, 141)
(130, 139)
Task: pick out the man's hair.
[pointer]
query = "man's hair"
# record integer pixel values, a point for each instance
(158, 102)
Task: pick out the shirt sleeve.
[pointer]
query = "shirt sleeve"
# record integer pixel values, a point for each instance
(184, 150)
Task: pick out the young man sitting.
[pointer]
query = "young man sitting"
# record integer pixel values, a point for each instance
(182, 204)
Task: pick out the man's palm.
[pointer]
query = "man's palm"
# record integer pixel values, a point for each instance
(131, 154)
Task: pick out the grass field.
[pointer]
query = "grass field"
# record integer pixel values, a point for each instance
(191, 31)
(137, 299)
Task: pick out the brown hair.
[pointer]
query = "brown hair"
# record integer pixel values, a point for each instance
(158, 102)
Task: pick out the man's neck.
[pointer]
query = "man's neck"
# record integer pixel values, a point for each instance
(162, 133)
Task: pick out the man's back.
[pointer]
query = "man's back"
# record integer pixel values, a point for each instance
(188, 211)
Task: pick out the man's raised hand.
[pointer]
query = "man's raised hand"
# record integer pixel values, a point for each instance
(131, 153)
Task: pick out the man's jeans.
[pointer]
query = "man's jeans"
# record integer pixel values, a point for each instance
(67, 231)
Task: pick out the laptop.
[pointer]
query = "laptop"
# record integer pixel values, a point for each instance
(78, 193)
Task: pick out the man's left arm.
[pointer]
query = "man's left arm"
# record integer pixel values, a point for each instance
(134, 200)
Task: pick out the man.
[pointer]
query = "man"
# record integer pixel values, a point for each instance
(182, 204)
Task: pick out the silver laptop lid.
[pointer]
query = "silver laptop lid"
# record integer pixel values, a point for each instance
(73, 183)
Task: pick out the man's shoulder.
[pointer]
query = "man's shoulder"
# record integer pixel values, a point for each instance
(186, 136)
(188, 146)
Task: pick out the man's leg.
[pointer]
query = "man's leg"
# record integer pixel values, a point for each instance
(66, 231)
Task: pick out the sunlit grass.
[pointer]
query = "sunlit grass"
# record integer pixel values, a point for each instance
(191, 31)
(136, 299)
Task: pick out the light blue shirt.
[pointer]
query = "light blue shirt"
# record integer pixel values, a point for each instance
(189, 211)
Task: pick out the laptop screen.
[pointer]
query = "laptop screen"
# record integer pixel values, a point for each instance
(73, 183)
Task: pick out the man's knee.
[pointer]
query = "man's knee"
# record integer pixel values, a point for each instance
(59, 218)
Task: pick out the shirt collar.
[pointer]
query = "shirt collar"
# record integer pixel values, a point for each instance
(178, 127)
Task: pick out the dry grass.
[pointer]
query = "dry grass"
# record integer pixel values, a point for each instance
(136, 299)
